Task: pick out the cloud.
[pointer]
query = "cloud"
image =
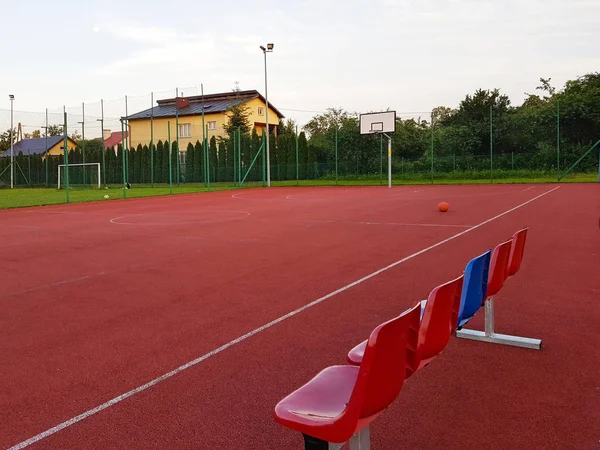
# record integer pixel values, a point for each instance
(161, 48)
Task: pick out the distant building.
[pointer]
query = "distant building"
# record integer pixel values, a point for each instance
(41, 146)
(112, 140)
(189, 112)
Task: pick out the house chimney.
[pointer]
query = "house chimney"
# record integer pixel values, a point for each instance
(182, 102)
(105, 134)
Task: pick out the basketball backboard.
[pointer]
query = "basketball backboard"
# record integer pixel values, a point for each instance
(380, 122)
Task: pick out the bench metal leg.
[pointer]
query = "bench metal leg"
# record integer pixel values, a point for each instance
(490, 336)
(360, 441)
(313, 443)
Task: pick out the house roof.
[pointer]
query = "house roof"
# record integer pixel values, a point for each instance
(34, 146)
(115, 138)
(212, 103)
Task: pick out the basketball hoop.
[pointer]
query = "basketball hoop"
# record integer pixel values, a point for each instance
(380, 123)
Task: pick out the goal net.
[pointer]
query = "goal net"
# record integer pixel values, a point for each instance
(80, 175)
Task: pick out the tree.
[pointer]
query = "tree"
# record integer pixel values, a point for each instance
(220, 172)
(189, 163)
(441, 113)
(302, 156)
(165, 162)
(214, 162)
(137, 164)
(198, 162)
(546, 87)
(145, 162)
(238, 116)
(476, 108)
(55, 130)
(5, 139)
(158, 163)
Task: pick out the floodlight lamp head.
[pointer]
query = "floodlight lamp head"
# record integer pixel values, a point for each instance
(12, 97)
(270, 47)
(263, 49)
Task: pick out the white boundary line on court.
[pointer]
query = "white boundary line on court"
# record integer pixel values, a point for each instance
(400, 224)
(115, 220)
(192, 363)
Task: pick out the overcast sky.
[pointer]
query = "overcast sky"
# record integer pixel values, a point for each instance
(408, 55)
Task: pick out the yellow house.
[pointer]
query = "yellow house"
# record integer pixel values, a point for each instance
(41, 146)
(181, 118)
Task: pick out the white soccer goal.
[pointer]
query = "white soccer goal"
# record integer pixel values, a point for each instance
(81, 174)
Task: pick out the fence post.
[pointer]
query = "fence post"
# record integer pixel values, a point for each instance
(234, 156)
(206, 152)
(297, 170)
(431, 147)
(126, 138)
(491, 148)
(512, 157)
(336, 156)
(264, 163)
(177, 162)
(239, 142)
(203, 137)
(152, 139)
(558, 139)
(123, 161)
(170, 157)
(66, 152)
(83, 138)
(46, 153)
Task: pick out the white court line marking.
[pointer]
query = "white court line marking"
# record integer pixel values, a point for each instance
(393, 223)
(49, 285)
(24, 226)
(115, 220)
(528, 189)
(192, 363)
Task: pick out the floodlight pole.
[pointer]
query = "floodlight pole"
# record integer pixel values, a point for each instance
(12, 149)
(265, 51)
(389, 160)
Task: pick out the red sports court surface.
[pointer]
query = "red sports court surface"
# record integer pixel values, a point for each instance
(165, 322)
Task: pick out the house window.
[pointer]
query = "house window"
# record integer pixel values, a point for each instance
(185, 130)
(261, 111)
(182, 158)
(212, 125)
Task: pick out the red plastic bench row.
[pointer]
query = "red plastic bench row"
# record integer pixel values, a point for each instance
(339, 403)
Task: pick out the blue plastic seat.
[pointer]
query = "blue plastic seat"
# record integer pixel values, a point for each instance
(474, 287)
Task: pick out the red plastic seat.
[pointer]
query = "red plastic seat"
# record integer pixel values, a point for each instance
(342, 400)
(499, 267)
(517, 250)
(438, 321)
(505, 263)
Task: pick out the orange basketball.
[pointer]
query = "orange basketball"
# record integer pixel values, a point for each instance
(443, 206)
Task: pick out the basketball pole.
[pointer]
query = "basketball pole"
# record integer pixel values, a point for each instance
(389, 138)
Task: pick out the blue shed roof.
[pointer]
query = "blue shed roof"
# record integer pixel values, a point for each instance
(33, 146)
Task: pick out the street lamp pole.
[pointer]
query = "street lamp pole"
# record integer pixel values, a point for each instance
(12, 149)
(265, 50)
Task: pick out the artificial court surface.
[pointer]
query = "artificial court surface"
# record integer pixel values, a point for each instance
(180, 322)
